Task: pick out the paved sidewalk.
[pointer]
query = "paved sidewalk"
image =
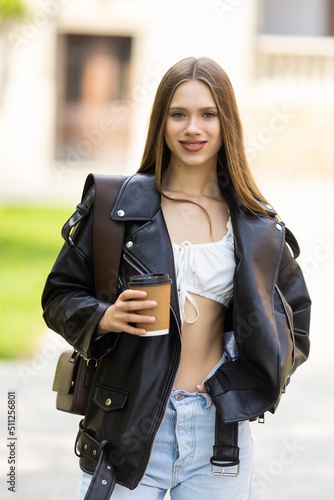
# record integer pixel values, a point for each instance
(294, 449)
(46, 464)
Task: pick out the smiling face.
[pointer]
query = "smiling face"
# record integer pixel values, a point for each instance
(193, 132)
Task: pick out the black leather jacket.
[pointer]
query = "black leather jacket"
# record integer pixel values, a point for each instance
(269, 317)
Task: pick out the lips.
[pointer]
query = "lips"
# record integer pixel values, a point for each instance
(193, 145)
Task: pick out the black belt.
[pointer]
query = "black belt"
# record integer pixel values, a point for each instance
(103, 481)
(225, 450)
(225, 455)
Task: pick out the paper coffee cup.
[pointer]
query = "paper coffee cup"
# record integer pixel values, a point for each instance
(157, 287)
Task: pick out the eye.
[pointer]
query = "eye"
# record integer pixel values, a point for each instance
(177, 114)
(208, 114)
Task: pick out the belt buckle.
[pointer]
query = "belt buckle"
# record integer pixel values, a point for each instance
(223, 465)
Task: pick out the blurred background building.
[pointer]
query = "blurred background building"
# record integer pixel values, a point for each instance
(78, 77)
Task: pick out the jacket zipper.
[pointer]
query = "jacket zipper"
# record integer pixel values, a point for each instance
(142, 474)
(155, 432)
(133, 265)
(281, 296)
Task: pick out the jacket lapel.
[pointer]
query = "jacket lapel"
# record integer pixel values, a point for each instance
(149, 243)
(138, 199)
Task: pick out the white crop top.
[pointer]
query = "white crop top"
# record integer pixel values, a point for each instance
(205, 269)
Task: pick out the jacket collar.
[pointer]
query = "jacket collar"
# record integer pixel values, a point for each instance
(138, 199)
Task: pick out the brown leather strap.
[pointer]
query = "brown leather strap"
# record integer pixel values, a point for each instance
(107, 234)
(108, 238)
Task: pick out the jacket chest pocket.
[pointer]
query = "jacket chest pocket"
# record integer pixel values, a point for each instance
(109, 398)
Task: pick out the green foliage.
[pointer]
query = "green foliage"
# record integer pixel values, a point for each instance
(29, 244)
(11, 9)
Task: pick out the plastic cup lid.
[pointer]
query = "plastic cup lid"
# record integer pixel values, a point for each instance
(150, 279)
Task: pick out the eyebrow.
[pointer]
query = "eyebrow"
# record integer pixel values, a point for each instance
(185, 109)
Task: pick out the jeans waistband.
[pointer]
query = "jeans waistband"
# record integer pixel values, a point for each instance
(179, 396)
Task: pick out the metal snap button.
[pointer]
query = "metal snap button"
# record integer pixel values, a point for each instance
(108, 467)
(278, 227)
(94, 452)
(104, 481)
(129, 244)
(108, 402)
(120, 213)
(85, 447)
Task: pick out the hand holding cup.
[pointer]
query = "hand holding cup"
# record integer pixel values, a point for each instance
(157, 287)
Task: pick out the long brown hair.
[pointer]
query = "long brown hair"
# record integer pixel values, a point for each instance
(232, 162)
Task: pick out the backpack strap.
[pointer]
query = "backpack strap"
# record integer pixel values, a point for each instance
(108, 238)
(108, 235)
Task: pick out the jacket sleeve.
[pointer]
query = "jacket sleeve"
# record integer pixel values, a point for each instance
(69, 305)
(240, 390)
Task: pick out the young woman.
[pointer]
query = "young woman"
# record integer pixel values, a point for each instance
(158, 414)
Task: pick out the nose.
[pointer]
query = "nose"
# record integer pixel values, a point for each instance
(193, 126)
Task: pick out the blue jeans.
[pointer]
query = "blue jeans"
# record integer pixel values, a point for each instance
(180, 460)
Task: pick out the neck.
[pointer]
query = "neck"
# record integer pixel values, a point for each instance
(192, 180)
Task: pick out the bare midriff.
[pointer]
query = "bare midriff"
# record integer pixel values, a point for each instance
(202, 343)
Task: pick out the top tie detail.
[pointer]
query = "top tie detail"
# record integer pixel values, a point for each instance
(205, 269)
